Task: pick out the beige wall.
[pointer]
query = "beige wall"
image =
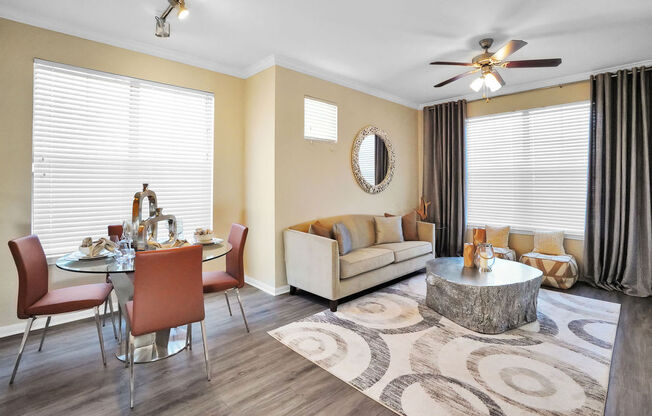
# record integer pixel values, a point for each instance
(314, 179)
(19, 45)
(259, 175)
(563, 94)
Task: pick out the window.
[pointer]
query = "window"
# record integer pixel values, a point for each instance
(528, 169)
(97, 137)
(367, 159)
(319, 120)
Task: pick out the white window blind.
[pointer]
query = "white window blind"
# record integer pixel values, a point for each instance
(367, 159)
(97, 137)
(528, 169)
(320, 120)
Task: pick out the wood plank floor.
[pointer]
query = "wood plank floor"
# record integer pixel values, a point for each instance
(252, 373)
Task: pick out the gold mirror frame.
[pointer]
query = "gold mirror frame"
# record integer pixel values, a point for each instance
(355, 166)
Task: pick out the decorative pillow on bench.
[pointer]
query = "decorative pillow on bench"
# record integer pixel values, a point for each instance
(409, 226)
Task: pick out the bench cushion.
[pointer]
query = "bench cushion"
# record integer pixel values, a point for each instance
(505, 253)
(407, 249)
(362, 260)
(559, 271)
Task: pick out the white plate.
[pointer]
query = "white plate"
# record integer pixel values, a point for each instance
(81, 256)
(213, 241)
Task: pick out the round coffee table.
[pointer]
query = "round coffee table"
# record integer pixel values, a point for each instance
(487, 302)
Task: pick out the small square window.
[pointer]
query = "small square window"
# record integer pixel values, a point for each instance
(320, 120)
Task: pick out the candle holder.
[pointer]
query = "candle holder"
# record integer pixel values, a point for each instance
(485, 257)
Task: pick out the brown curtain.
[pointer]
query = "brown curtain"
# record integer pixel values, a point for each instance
(380, 160)
(618, 234)
(444, 173)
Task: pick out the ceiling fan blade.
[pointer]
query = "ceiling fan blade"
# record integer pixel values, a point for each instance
(498, 78)
(452, 63)
(533, 63)
(511, 47)
(455, 78)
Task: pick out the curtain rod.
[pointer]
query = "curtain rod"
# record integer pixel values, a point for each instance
(627, 71)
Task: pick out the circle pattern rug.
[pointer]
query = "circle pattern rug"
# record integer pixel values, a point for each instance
(390, 346)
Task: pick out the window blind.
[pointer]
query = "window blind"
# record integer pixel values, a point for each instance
(97, 137)
(528, 169)
(320, 120)
(367, 159)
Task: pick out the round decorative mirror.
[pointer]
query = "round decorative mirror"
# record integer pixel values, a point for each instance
(372, 159)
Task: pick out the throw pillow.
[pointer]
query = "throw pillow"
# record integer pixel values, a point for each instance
(343, 237)
(498, 236)
(388, 230)
(409, 225)
(318, 228)
(549, 242)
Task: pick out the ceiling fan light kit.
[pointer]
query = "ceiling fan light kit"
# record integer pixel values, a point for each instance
(487, 63)
(162, 25)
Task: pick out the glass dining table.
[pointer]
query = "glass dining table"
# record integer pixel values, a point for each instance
(148, 347)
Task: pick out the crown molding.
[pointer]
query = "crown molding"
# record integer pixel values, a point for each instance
(527, 86)
(260, 66)
(7, 12)
(313, 71)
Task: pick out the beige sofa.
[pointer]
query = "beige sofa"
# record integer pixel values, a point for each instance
(313, 263)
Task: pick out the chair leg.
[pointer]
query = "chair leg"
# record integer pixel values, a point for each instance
(99, 333)
(115, 331)
(47, 325)
(22, 348)
(237, 293)
(208, 364)
(120, 321)
(106, 305)
(189, 336)
(130, 356)
(226, 296)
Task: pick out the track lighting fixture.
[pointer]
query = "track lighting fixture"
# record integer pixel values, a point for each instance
(162, 26)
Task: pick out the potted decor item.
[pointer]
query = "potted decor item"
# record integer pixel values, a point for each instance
(484, 257)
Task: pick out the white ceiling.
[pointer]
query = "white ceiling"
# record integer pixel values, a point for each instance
(382, 47)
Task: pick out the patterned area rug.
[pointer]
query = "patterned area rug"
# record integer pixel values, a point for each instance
(390, 346)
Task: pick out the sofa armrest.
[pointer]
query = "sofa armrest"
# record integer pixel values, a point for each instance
(312, 263)
(426, 232)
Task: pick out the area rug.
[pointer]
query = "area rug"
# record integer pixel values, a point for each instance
(390, 346)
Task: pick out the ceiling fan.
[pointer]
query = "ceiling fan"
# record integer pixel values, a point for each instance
(487, 62)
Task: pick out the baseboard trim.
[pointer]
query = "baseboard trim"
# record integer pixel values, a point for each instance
(272, 290)
(19, 327)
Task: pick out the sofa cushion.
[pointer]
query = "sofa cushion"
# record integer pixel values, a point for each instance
(388, 230)
(319, 229)
(409, 225)
(363, 260)
(343, 237)
(361, 227)
(407, 249)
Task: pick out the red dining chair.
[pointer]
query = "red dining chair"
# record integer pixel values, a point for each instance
(167, 294)
(233, 277)
(35, 300)
(115, 234)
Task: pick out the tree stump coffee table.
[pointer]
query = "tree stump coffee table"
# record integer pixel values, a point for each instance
(487, 302)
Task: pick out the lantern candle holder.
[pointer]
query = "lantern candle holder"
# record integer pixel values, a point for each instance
(485, 257)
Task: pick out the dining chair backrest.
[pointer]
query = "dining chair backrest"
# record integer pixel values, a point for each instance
(115, 232)
(32, 268)
(168, 290)
(235, 258)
